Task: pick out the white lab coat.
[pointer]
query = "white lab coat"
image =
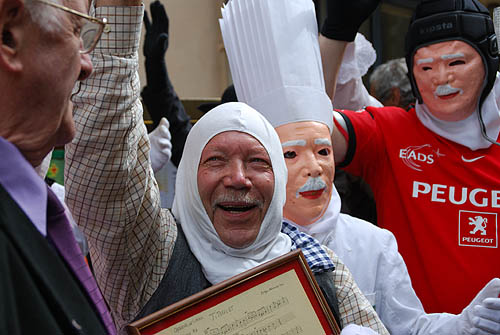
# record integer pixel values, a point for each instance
(372, 256)
(371, 253)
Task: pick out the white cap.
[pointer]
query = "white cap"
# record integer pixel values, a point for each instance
(273, 52)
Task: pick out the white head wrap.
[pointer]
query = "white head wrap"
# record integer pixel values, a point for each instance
(218, 260)
(273, 52)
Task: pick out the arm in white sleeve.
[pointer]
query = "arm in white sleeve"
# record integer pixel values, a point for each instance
(372, 256)
(396, 301)
(481, 317)
(357, 330)
(351, 93)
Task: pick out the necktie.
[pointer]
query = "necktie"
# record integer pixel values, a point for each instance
(61, 235)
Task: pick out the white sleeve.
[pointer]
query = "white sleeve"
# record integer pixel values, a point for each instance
(397, 303)
(350, 91)
(354, 308)
(353, 95)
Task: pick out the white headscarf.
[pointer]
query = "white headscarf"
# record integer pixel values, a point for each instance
(218, 260)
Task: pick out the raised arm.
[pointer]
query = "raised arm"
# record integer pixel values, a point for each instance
(350, 92)
(332, 52)
(340, 27)
(110, 185)
(159, 94)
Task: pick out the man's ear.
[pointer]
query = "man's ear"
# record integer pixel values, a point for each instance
(13, 27)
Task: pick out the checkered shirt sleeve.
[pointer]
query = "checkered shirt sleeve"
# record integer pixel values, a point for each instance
(111, 189)
(317, 259)
(353, 306)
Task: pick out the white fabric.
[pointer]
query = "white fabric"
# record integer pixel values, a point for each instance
(161, 146)
(350, 92)
(480, 317)
(353, 329)
(372, 256)
(43, 168)
(359, 56)
(467, 132)
(218, 260)
(353, 95)
(273, 53)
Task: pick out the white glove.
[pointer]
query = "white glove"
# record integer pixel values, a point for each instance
(482, 316)
(161, 147)
(353, 329)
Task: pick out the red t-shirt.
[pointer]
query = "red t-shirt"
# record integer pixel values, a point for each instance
(440, 199)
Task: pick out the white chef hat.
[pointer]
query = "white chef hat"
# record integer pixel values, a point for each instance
(273, 52)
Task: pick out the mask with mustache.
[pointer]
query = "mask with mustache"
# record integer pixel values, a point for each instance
(446, 90)
(312, 184)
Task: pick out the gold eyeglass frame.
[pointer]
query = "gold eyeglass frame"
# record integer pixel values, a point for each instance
(101, 22)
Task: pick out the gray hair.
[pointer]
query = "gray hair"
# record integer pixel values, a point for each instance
(46, 17)
(393, 73)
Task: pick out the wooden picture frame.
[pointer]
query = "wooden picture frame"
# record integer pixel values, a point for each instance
(278, 297)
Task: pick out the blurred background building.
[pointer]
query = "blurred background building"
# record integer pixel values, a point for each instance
(197, 62)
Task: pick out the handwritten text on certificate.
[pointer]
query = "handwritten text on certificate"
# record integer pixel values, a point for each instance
(277, 306)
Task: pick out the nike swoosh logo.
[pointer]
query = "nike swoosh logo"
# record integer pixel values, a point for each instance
(472, 159)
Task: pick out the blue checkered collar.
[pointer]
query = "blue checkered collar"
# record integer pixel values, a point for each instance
(317, 258)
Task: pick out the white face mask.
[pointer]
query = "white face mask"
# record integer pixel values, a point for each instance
(42, 169)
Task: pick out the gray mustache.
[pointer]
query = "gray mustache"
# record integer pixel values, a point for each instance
(446, 89)
(241, 197)
(312, 184)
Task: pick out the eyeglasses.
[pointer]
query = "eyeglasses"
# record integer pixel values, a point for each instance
(91, 31)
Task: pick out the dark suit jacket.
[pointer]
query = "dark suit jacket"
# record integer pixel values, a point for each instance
(38, 292)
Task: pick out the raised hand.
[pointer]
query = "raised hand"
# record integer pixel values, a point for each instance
(482, 316)
(156, 40)
(161, 145)
(344, 18)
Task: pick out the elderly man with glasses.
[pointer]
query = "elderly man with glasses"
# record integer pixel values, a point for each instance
(46, 287)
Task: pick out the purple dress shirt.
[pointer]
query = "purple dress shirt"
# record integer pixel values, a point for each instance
(47, 214)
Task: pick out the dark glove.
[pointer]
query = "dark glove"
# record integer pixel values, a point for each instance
(156, 40)
(155, 46)
(345, 17)
(159, 95)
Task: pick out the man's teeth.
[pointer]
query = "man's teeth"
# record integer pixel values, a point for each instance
(236, 208)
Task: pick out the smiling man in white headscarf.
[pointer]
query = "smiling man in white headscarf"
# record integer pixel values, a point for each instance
(228, 202)
(230, 193)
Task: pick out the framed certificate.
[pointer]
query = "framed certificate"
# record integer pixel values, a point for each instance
(278, 297)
